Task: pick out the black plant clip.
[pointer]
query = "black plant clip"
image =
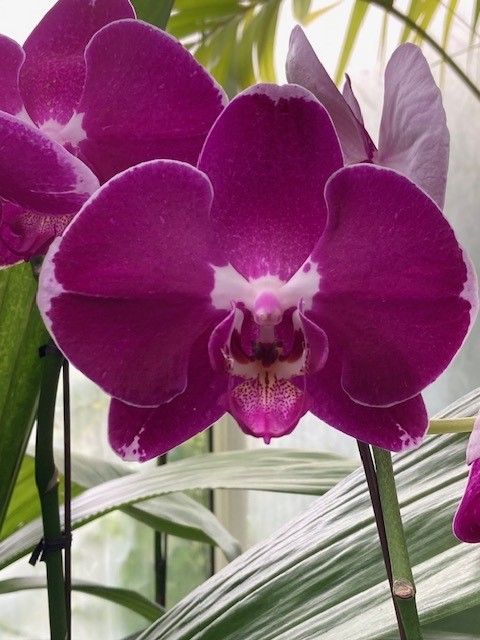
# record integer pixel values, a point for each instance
(46, 546)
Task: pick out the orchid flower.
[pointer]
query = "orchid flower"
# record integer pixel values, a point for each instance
(92, 92)
(413, 137)
(266, 282)
(466, 524)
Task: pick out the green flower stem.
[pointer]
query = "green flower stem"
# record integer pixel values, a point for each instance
(403, 585)
(458, 425)
(46, 476)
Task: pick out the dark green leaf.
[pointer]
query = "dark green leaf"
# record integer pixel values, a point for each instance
(123, 597)
(21, 334)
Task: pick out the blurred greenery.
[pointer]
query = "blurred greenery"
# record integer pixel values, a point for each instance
(235, 39)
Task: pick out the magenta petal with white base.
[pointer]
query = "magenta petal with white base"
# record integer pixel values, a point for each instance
(12, 57)
(306, 70)
(395, 428)
(395, 290)
(414, 138)
(53, 75)
(268, 157)
(145, 97)
(466, 524)
(39, 174)
(140, 434)
(135, 281)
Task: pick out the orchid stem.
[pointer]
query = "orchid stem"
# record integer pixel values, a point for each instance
(458, 425)
(403, 587)
(372, 483)
(46, 476)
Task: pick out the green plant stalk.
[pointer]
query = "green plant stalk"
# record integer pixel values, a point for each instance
(46, 476)
(458, 425)
(403, 585)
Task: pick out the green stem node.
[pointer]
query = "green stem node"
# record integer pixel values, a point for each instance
(403, 585)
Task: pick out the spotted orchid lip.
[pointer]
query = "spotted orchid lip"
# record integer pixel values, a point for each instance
(374, 279)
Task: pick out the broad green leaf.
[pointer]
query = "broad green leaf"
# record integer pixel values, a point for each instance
(175, 514)
(278, 470)
(301, 9)
(464, 622)
(21, 334)
(357, 17)
(124, 597)
(322, 574)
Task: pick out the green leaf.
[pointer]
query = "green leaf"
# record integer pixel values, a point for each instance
(322, 575)
(278, 470)
(301, 9)
(123, 597)
(21, 334)
(176, 514)
(359, 12)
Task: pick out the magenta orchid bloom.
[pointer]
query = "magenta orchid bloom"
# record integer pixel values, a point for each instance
(413, 137)
(466, 524)
(92, 92)
(267, 282)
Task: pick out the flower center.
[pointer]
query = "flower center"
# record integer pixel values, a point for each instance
(267, 311)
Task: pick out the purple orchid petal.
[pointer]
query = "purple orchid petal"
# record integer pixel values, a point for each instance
(466, 524)
(38, 174)
(52, 78)
(395, 428)
(306, 70)
(396, 291)
(12, 57)
(129, 312)
(473, 447)
(351, 100)
(414, 138)
(141, 434)
(269, 156)
(28, 234)
(145, 97)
